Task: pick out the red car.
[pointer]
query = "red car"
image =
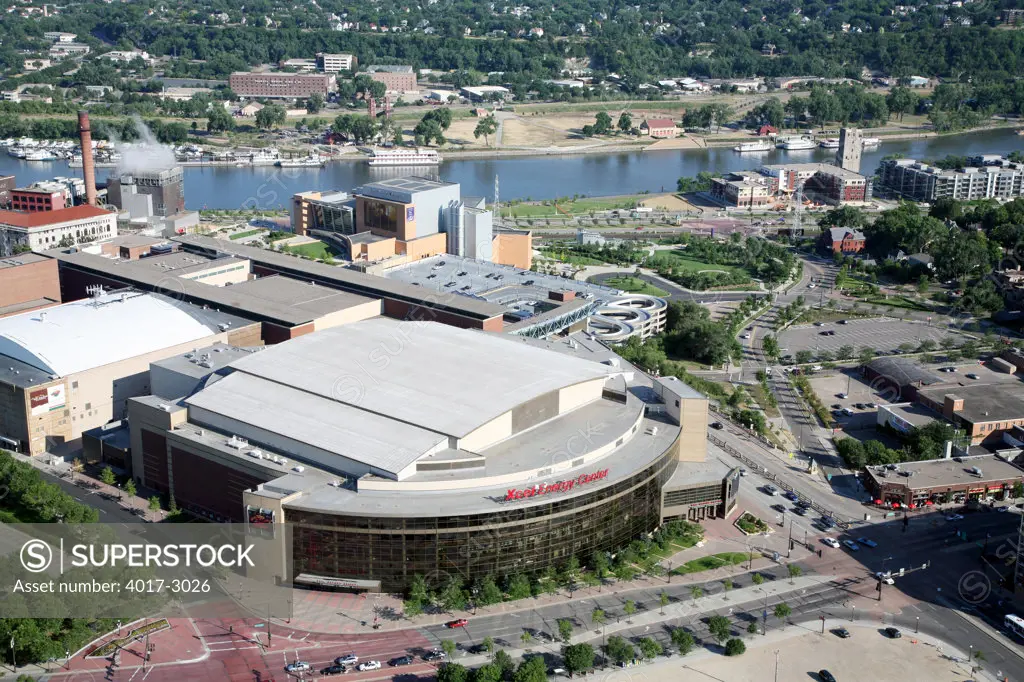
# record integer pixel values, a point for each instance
(460, 623)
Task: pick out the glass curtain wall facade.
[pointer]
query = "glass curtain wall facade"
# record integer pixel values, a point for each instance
(500, 543)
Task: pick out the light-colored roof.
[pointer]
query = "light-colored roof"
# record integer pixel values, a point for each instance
(43, 218)
(386, 445)
(90, 333)
(432, 375)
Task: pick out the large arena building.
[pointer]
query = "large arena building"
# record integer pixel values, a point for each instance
(399, 448)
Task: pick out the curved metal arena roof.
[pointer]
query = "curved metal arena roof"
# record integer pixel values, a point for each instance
(90, 333)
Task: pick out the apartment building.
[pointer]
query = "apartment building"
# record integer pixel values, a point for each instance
(281, 85)
(335, 63)
(918, 181)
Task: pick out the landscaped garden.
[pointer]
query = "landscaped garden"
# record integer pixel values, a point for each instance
(750, 524)
(634, 285)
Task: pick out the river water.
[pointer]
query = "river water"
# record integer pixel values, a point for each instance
(543, 177)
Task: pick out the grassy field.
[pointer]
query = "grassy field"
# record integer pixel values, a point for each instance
(681, 262)
(577, 207)
(572, 258)
(706, 563)
(634, 286)
(247, 233)
(311, 250)
(896, 302)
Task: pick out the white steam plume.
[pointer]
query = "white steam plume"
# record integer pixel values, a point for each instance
(146, 154)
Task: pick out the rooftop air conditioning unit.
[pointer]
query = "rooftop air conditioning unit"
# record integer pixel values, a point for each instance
(298, 469)
(256, 453)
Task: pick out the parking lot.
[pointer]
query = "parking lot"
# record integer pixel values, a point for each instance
(882, 334)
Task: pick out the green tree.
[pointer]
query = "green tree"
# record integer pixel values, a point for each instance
(452, 672)
(719, 627)
(486, 126)
(629, 608)
(619, 650)
(270, 116)
(794, 572)
(770, 346)
(504, 661)
(625, 122)
(526, 638)
(735, 647)
(531, 669)
(449, 648)
(804, 356)
(452, 596)
(782, 611)
(219, 120)
(489, 672)
(418, 589)
(752, 627)
(129, 488)
(649, 648)
(578, 658)
(726, 586)
(597, 617)
(682, 640)
(488, 592)
(663, 600)
(602, 123)
(757, 579)
(518, 587)
(866, 355)
(565, 630)
(107, 476)
(845, 352)
(154, 503)
(314, 103)
(489, 645)
(696, 592)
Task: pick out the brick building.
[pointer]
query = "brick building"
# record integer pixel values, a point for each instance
(34, 199)
(397, 77)
(28, 281)
(661, 128)
(281, 85)
(842, 240)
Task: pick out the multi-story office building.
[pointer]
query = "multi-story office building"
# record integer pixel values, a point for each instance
(281, 85)
(851, 146)
(990, 178)
(398, 77)
(335, 63)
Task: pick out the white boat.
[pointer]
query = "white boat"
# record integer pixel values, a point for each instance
(797, 143)
(871, 141)
(829, 143)
(404, 157)
(259, 157)
(759, 146)
(311, 161)
(17, 152)
(40, 155)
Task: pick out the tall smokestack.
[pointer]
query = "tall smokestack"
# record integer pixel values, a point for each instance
(88, 172)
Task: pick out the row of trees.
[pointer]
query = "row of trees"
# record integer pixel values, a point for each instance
(925, 442)
(453, 594)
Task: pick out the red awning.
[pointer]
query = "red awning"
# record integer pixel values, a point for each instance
(878, 502)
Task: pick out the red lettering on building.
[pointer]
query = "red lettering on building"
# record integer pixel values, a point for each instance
(559, 487)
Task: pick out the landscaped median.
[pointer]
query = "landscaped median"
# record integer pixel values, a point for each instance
(750, 524)
(108, 648)
(711, 562)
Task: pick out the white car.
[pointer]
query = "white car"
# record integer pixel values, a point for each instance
(369, 665)
(831, 542)
(744, 336)
(811, 285)
(347, 659)
(885, 578)
(298, 667)
(955, 517)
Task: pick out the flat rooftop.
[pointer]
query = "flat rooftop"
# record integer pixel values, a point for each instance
(181, 263)
(940, 473)
(992, 402)
(348, 280)
(307, 296)
(26, 258)
(134, 240)
(221, 354)
(914, 414)
(502, 285)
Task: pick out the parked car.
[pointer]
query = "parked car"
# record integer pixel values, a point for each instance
(971, 375)
(369, 665)
(826, 676)
(334, 670)
(851, 545)
(859, 406)
(779, 508)
(842, 322)
(841, 396)
(401, 660)
(831, 542)
(744, 336)
(458, 623)
(298, 667)
(434, 655)
(842, 633)
(717, 426)
(769, 489)
(790, 495)
(892, 633)
(347, 659)
(867, 542)
(799, 511)
(955, 517)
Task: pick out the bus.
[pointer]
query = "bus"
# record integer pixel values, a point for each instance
(1015, 624)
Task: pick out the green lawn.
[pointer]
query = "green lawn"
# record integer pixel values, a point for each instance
(896, 302)
(634, 285)
(706, 563)
(247, 233)
(310, 250)
(681, 262)
(578, 207)
(571, 258)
